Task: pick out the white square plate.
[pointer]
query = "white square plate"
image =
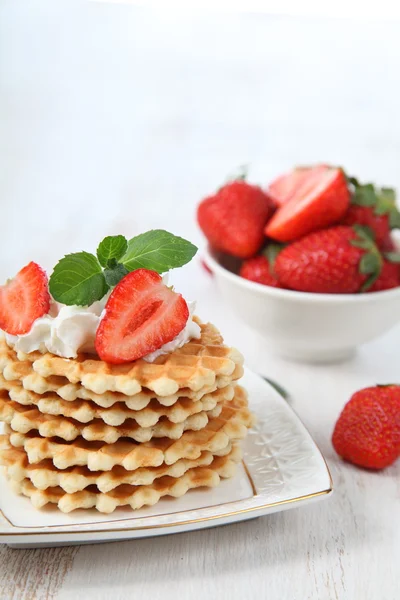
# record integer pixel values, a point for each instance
(282, 469)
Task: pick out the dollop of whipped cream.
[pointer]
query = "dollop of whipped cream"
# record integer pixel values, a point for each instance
(68, 330)
(64, 331)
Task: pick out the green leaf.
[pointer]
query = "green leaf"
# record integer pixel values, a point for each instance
(370, 263)
(389, 194)
(115, 274)
(393, 257)
(111, 249)
(271, 252)
(364, 195)
(157, 250)
(364, 232)
(365, 237)
(352, 180)
(78, 279)
(394, 219)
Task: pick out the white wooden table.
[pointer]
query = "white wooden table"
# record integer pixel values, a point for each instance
(116, 120)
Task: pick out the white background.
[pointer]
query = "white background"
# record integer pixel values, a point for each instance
(116, 119)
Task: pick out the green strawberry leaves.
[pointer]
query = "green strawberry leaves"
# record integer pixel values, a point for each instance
(382, 200)
(82, 278)
(371, 262)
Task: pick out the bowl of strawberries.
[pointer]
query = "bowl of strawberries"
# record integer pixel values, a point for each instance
(310, 262)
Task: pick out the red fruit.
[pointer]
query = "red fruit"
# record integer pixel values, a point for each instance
(388, 279)
(365, 215)
(375, 208)
(284, 186)
(233, 219)
(141, 315)
(258, 269)
(388, 245)
(318, 197)
(367, 432)
(24, 299)
(327, 262)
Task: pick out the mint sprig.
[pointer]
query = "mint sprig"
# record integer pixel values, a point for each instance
(78, 279)
(157, 250)
(82, 278)
(111, 249)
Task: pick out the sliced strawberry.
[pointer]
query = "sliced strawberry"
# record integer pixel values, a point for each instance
(141, 315)
(284, 186)
(24, 299)
(317, 198)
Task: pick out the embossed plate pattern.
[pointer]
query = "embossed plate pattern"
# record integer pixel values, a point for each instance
(282, 469)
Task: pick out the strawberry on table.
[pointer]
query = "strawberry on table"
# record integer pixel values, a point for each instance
(367, 432)
(310, 198)
(375, 208)
(233, 219)
(339, 260)
(141, 315)
(24, 299)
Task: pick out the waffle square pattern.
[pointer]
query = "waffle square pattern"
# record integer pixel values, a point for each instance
(81, 433)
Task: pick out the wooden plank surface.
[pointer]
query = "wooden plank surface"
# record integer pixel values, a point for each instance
(115, 120)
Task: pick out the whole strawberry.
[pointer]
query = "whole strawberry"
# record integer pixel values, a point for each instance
(367, 432)
(389, 278)
(258, 269)
(339, 260)
(375, 208)
(233, 219)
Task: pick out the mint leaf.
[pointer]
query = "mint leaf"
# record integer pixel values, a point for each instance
(115, 274)
(78, 279)
(157, 250)
(111, 249)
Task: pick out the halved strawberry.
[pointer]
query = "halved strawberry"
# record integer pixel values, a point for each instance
(317, 197)
(284, 186)
(24, 299)
(141, 315)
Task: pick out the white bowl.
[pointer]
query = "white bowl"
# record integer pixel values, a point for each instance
(304, 326)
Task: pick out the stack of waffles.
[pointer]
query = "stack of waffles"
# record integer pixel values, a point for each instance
(81, 433)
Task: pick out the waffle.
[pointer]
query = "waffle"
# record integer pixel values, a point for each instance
(230, 426)
(85, 411)
(44, 474)
(23, 419)
(198, 364)
(129, 495)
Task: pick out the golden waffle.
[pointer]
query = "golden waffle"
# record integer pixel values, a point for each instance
(44, 474)
(198, 364)
(129, 495)
(85, 411)
(230, 426)
(23, 419)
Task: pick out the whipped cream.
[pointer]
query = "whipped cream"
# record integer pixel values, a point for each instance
(68, 330)
(64, 331)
